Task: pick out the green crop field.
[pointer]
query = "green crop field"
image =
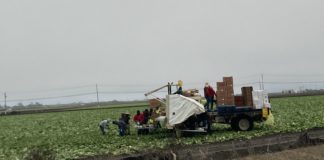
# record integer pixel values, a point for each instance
(66, 135)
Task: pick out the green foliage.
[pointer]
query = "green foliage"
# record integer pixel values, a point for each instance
(66, 135)
(42, 152)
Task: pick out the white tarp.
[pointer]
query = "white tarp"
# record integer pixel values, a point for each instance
(180, 108)
(260, 99)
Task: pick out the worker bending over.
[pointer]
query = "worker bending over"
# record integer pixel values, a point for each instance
(103, 125)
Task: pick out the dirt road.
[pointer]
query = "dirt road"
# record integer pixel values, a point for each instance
(307, 153)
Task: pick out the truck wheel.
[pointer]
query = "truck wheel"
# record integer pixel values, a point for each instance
(244, 124)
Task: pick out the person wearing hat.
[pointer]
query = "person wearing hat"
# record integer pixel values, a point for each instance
(179, 85)
(126, 117)
(209, 95)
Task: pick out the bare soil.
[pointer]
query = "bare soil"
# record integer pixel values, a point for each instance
(307, 153)
(278, 146)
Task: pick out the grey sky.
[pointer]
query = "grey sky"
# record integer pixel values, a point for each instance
(64, 43)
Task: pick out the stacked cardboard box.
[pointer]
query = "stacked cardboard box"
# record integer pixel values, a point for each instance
(239, 101)
(247, 96)
(225, 92)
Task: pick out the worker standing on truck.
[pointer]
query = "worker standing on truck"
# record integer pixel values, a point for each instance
(179, 85)
(209, 95)
(103, 125)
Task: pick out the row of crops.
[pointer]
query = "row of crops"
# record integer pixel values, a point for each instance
(66, 135)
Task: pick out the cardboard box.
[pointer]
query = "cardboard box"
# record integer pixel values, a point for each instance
(220, 102)
(226, 101)
(223, 88)
(220, 93)
(247, 95)
(239, 100)
(220, 85)
(228, 81)
(229, 88)
(229, 94)
(246, 90)
(248, 100)
(230, 102)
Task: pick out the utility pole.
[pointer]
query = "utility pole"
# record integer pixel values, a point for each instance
(262, 81)
(97, 95)
(5, 100)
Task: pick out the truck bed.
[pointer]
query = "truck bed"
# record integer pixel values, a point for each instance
(228, 112)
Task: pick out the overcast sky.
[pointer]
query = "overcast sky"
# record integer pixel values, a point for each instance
(67, 43)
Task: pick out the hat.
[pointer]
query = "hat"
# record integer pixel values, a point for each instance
(180, 83)
(126, 112)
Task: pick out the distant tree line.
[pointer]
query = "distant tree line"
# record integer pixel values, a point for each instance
(291, 93)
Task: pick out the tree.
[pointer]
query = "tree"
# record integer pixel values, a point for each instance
(31, 104)
(38, 104)
(20, 104)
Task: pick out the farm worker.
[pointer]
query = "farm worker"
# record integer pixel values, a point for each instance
(121, 126)
(126, 117)
(209, 95)
(150, 121)
(157, 110)
(103, 125)
(151, 112)
(138, 118)
(146, 116)
(157, 113)
(179, 85)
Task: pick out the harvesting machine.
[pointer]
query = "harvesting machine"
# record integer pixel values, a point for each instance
(184, 113)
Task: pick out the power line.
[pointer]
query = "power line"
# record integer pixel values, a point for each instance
(5, 100)
(122, 92)
(97, 95)
(295, 75)
(44, 98)
(142, 91)
(296, 82)
(53, 89)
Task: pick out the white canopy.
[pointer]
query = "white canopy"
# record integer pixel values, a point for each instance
(180, 108)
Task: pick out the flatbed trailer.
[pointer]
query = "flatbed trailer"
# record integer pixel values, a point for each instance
(239, 117)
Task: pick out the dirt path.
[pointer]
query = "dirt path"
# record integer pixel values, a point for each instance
(307, 153)
(271, 147)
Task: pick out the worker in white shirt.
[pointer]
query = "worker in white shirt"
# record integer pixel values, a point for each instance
(103, 125)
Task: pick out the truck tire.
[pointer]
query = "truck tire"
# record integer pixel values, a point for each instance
(244, 123)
